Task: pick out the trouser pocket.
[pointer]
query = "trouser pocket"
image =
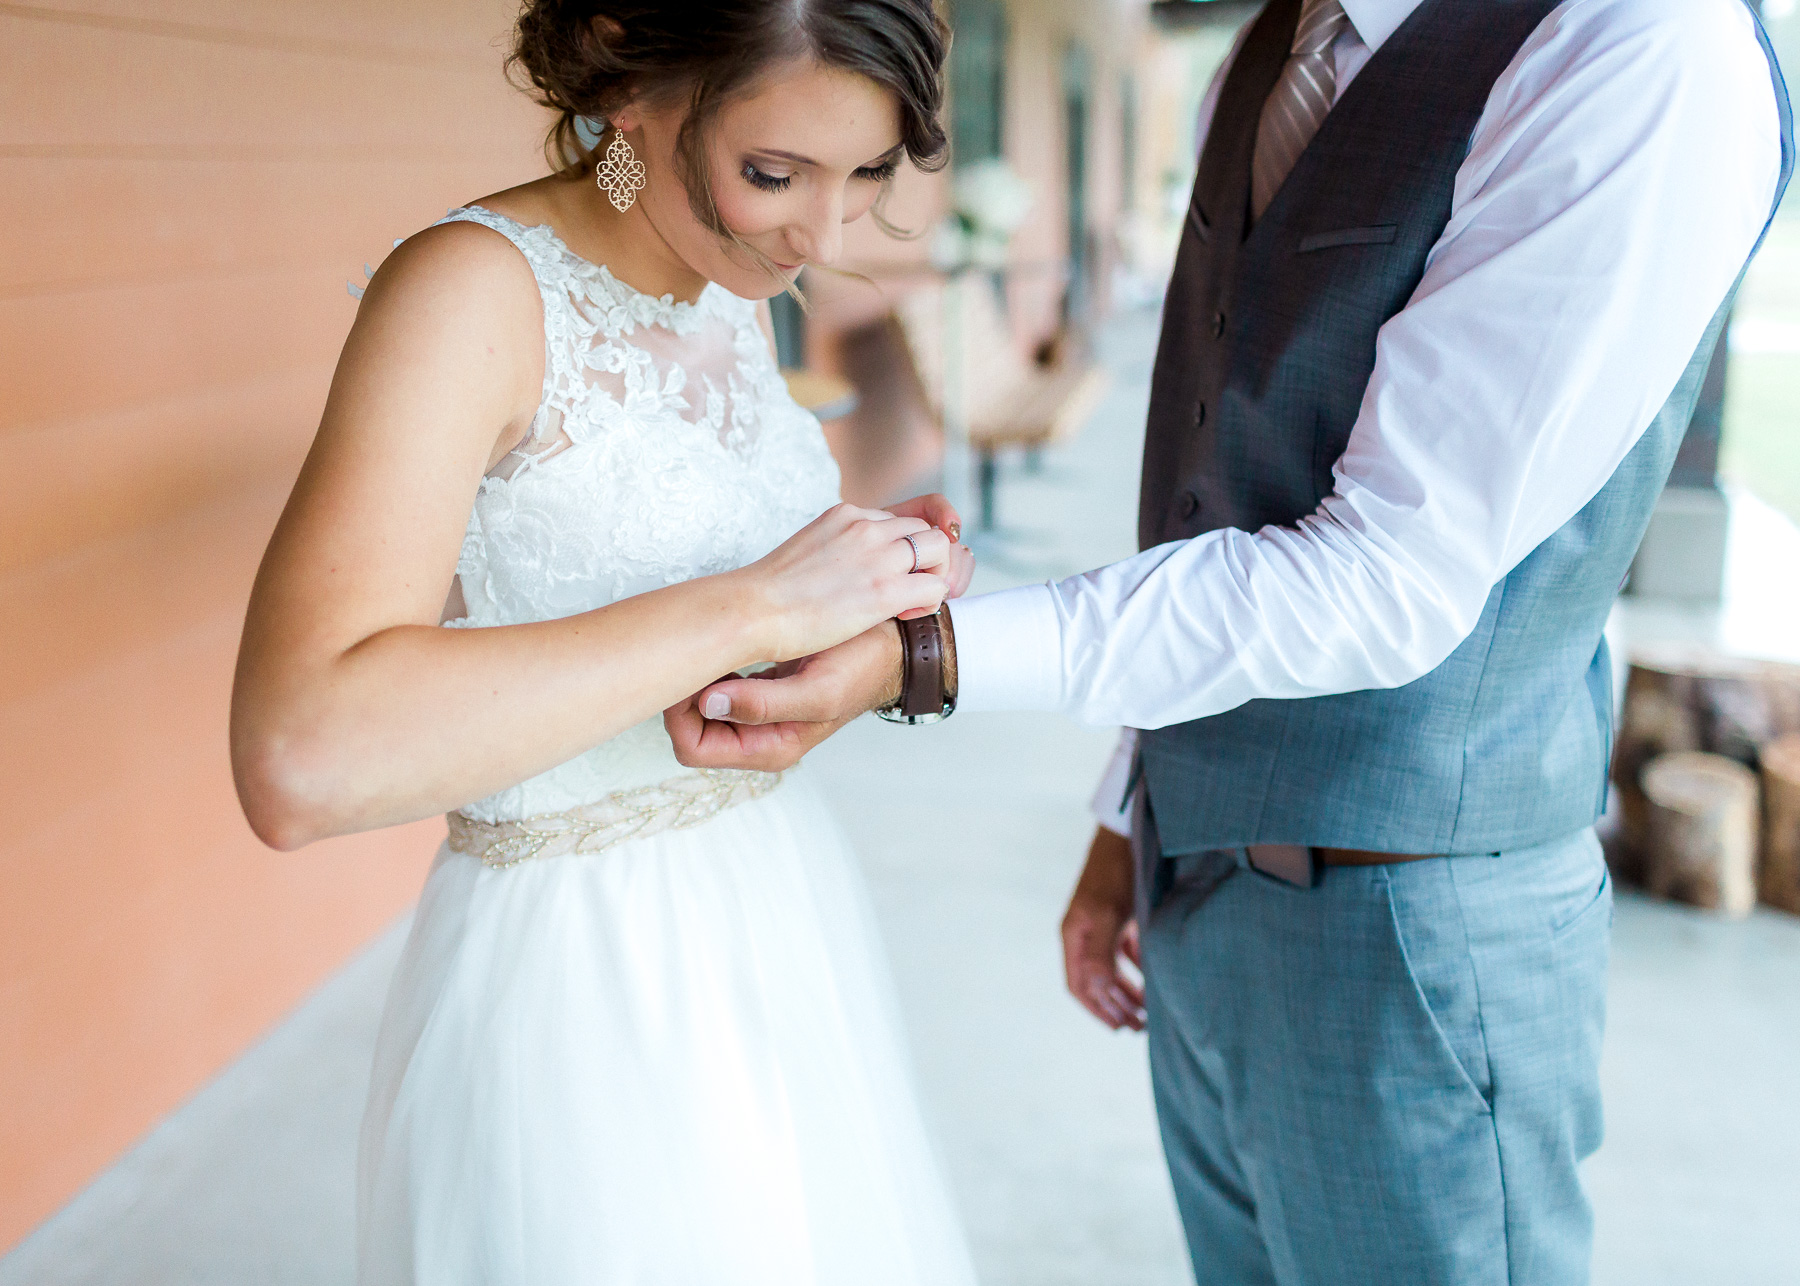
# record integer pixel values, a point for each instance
(1434, 949)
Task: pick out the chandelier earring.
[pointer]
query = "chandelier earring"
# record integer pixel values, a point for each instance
(621, 174)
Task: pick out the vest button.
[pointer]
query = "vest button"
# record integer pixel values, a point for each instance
(1188, 504)
(1218, 327)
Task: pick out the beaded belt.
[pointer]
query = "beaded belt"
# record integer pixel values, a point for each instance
(673, 805)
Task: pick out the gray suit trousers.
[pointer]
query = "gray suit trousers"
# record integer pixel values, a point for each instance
(1388, 1078)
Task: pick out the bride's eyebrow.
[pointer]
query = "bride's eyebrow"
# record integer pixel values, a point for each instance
(776, 153)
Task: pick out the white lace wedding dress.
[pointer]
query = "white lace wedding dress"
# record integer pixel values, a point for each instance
(671, 1060)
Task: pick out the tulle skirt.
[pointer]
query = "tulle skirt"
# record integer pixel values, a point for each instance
(673, 1063)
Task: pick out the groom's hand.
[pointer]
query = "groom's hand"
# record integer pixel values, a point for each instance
(940, 513)
(769, 721)
(1100, 934)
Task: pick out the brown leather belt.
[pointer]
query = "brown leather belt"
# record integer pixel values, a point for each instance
(1298, 864)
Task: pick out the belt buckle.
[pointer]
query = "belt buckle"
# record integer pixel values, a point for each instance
(1294, 864)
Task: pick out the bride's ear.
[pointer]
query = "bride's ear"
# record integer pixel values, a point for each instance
(603, 33)
(605, 30)
(627, 114)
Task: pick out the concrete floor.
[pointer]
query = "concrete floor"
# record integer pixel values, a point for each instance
(1044, 1118)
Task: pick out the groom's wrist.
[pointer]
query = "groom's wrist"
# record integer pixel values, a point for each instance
(927, 675)
(892, 666)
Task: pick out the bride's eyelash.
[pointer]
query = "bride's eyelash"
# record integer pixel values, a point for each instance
(779, 183)
(767, 182)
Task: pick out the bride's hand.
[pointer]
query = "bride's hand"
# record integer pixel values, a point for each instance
(842, 573)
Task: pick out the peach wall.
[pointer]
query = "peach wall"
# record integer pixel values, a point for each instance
(185, 186)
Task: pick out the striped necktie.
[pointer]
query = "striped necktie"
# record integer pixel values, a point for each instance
(1298, 102)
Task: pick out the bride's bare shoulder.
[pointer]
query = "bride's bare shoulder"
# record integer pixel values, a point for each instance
(467, 280)
(473, 255)
(461, 257)
(454, 311)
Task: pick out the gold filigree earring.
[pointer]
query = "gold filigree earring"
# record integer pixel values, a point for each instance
(621, 174)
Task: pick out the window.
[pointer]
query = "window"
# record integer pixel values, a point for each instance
(977, 80)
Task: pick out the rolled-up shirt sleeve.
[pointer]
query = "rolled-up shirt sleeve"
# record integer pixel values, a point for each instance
(1619, 177)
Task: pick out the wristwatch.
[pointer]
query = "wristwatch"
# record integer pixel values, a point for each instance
(927, 693)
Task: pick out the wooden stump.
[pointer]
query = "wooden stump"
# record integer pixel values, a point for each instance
(1701, 819)
(1780, 880)
(1686, 698)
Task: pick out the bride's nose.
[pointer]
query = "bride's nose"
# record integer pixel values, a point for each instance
(819, 237)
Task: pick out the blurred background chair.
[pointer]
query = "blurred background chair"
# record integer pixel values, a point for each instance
(965, 358)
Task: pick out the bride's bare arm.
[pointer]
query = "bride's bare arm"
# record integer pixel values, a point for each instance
(353, 708)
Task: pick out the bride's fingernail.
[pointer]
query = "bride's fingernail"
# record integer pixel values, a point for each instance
(716, 706)
(955, 532)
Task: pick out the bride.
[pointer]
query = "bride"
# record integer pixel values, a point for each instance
(640, 1033)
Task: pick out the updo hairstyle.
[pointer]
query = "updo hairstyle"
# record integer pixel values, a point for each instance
(584, 58)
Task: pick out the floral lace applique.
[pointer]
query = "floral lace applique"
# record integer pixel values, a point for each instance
(666, 447)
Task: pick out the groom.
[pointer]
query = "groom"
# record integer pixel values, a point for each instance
(1450, 280)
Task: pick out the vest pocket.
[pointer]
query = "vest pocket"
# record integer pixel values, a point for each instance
(1375, 234)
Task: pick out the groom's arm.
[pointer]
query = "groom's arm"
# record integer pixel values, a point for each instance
(1614, 187)
(1613, 191)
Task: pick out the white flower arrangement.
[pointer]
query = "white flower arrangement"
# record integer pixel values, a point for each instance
(988, 204)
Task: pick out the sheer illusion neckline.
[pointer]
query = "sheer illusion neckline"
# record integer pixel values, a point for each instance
(678, 315)
(665, 447)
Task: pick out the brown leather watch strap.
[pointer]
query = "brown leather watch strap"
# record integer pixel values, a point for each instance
(952, 675)
(922, 646)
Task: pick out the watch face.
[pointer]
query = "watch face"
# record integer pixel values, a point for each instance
(894, 716)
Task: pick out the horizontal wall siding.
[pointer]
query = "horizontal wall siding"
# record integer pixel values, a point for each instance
(185, 187)
(146, 937)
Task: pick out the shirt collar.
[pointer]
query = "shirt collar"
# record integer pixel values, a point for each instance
(1376, 20)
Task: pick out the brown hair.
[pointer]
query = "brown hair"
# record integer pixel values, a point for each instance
(584, 58)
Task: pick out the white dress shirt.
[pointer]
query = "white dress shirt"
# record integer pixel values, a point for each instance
(1618, 177)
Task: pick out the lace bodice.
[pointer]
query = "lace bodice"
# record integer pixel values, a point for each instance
(666, 447)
